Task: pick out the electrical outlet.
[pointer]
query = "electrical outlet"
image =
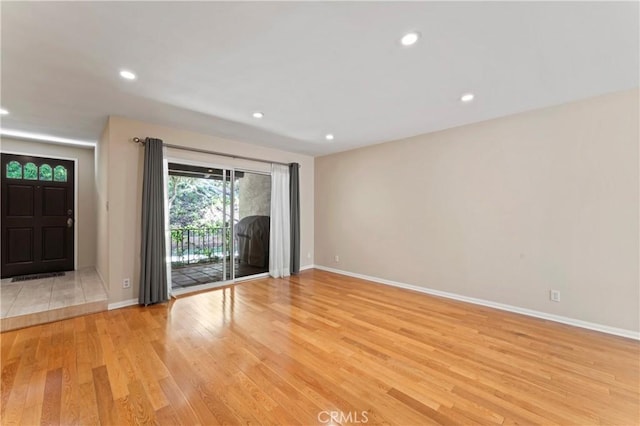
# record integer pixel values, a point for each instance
(337, 259)
(554, 295)
(308, 255)
(126, 283)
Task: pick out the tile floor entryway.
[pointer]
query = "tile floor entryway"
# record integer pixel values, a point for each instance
(32, 302)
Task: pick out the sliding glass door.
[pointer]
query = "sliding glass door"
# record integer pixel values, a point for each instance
(218, 223)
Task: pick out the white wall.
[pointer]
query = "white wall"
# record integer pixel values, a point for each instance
(124, 188)
(86, 214)
(503, 210)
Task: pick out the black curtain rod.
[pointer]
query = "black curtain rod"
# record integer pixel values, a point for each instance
(203, 151)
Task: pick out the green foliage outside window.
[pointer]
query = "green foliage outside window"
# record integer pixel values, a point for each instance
(195, 202)
(196, 218)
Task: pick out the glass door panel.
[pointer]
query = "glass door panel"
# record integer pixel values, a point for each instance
(251, 213)
(218, 222)
(200, 246)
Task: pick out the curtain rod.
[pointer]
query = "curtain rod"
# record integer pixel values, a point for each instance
(204, 151)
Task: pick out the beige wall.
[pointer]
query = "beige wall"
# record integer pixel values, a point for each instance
(102, 213)
(503, 210)
(124, 189)
(86, 214)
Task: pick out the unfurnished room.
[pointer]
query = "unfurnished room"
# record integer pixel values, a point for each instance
(320, 213)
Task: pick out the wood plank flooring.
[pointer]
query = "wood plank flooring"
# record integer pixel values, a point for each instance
(318, 348)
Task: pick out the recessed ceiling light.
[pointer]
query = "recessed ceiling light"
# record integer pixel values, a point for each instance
(3, 111)
(410, 39)
(467, 97)
(127, 75)
(329, 137)
(258, 114)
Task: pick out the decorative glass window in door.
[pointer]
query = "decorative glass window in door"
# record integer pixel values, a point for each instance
(14, 170)
(31, 172)
(46, 173)
(60, 174)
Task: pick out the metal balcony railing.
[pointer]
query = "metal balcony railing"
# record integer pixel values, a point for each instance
(199, 245)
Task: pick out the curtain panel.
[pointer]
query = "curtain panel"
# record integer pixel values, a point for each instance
(153, 267)
(294, 202)
(280, 227)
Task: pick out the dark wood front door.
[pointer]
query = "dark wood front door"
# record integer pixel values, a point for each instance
(38, 215)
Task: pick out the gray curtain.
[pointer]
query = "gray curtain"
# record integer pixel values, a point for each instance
(294, 202)
(153, 267)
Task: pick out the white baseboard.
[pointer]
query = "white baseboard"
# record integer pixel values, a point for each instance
(304, 268)
(504, 307)
(122, 304)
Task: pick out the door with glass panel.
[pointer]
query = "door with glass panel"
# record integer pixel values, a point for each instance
(219, 224)
(38, 219)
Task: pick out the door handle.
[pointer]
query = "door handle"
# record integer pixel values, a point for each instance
(69, 223)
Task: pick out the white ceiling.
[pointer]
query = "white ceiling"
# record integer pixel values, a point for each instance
(312, 68)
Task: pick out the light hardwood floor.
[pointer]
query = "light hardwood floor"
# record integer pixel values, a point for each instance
(292, 351)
